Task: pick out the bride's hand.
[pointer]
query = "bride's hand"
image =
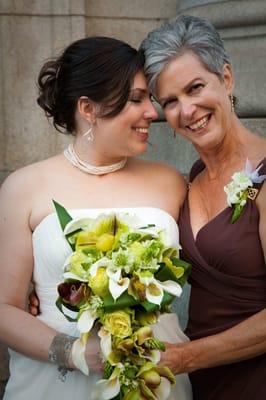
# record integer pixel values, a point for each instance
(33, 303)
(93, 353)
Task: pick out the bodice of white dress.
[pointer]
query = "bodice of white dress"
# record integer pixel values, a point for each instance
(50, 249)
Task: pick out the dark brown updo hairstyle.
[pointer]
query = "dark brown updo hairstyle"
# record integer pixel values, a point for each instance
(100, 68)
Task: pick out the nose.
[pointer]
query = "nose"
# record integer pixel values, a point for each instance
(187, 110)
(150, 112)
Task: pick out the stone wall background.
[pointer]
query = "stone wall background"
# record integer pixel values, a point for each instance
(34, 30)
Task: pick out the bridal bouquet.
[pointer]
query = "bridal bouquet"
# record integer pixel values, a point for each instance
(120, 276)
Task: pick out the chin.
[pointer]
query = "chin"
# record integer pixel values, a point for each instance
(139, 149)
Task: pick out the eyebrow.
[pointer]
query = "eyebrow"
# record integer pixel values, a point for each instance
(185, 88)
(138, 90)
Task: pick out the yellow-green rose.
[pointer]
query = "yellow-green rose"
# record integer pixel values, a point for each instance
(118, 323)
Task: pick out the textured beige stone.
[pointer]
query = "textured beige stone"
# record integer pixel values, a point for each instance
(42, 7)
(130, 30)
(29, 41)
(229, 13)
(148, 9)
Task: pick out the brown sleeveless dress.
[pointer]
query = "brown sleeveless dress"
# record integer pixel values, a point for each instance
(228, 285)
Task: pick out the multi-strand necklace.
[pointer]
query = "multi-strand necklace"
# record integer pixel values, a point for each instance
(84, 166)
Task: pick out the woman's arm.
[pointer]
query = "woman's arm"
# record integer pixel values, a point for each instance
(18, 329)
(243, 341)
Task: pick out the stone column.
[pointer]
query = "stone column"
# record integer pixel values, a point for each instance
(30, 32)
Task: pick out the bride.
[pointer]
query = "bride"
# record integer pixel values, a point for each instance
(95, 90)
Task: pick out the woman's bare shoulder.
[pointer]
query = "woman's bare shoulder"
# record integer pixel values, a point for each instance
(28, 178)
(161, 172)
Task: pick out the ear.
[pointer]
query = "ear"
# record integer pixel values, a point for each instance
(228, 78)
(87, 109)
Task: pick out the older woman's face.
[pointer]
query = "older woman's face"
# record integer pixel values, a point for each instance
(195, 101)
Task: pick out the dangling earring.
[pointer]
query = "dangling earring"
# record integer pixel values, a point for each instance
(89, 135)
(174, 133)
(232, 100)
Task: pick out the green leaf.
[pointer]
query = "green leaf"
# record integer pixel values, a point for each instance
(236, 213)
(124, 301)
(187, 269)
(63, 215)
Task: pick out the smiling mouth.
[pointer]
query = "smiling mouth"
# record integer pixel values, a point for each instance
(200, 124)
(141, 130)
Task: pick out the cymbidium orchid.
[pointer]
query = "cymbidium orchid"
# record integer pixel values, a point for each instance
(119, 275)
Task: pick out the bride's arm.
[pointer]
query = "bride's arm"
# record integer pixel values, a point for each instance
(18, 329)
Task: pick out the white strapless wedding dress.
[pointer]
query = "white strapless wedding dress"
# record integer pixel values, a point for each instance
(34, 380)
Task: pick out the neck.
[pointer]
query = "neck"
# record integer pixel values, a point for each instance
(89, 153)
(228, 155)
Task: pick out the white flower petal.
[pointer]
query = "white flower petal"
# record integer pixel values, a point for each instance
(117, 288)
(171, 287)
(151, 297)
(146, 280)
(162, 392)
(75, 224)
(115, 275)
(103, 262)
(71, 275)
(78, 356)
(69, 313)
(106, 389)
(106, 342)
(248, 167)
(86, 321)
(154, 357)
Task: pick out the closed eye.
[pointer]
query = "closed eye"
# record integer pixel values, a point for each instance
(195, 88)
(169, 102)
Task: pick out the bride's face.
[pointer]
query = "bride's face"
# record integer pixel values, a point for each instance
(127, 133)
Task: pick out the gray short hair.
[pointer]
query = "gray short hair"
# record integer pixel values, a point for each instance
(186, 33)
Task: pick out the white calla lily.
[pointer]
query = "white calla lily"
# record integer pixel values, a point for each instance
(162, 391)
(106, 389)
(75, 277)
(105, 342)
(154, 298)
(103, 262)
(117, 285)
(172, 287)
(155, 288)
(69, 313)
(75, 224)
(86, 321)
(78, 354)
(116, 288)
(154, 356)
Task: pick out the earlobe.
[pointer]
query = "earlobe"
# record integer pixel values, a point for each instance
(228, 78)
(86, 109)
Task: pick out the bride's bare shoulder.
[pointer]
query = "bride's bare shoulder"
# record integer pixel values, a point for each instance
(160, 171)
(29, 178)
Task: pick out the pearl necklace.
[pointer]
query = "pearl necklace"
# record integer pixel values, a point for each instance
(74, 159)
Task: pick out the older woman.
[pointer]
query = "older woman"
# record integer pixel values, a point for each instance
(222, 223)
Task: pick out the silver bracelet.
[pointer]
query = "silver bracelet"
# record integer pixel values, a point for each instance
(59, 353)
